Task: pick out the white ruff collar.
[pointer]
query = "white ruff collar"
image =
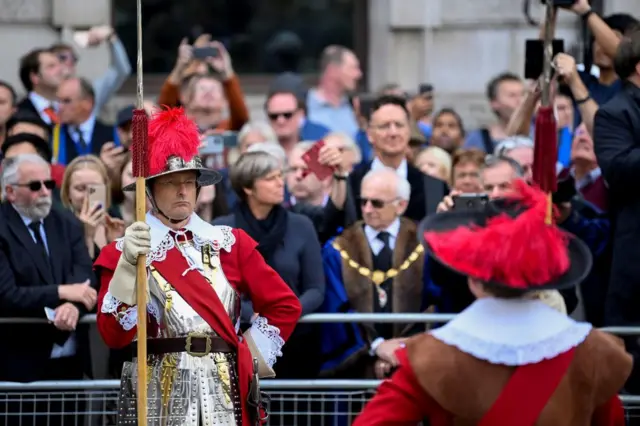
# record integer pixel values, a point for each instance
(203, 233)
(200, 229)
(512, 332)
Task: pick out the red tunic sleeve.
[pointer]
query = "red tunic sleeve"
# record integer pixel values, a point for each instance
(400, 401)
(110, 311)
(610, 413)
(271, 296)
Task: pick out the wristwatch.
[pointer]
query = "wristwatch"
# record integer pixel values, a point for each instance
(586, 15)
(340, 176)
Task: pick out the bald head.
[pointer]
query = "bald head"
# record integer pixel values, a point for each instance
(383, 197)
(388, 181)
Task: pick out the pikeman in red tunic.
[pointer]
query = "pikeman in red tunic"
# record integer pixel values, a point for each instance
(508, 359)
(200, 369)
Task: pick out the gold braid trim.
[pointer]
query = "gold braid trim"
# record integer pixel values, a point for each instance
(378, 277)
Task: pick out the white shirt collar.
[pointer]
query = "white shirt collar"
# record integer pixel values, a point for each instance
(392, 229)
(375, 243)
(402, 169)
(512, 332)
(200, 229)
(41, 103)
(86, 128)
(293, 201)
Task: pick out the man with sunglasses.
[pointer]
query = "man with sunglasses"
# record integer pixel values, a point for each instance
(287, 117)
(45, 273)
(375, 265)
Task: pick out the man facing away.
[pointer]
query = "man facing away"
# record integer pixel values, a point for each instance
(508, 359)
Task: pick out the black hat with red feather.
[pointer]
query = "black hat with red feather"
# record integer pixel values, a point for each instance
(174, 141)
(508, 244)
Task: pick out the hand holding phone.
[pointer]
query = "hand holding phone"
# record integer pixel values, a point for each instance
(470, 201)
(97, 195)
(206, 52)
(322, 171)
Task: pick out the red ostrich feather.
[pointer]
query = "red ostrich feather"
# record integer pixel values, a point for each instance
(171, 134)
(520, 252)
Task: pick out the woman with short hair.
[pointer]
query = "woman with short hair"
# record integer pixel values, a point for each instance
(289, 244)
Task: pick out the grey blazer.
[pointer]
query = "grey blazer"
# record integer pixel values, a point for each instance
(298, 261)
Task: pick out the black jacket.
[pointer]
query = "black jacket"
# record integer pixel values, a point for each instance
(28, 285)
(617, 146)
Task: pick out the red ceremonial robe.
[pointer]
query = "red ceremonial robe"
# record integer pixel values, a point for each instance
(245, 270)
(585, 396)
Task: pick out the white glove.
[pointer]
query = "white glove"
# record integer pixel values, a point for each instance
(137, 241)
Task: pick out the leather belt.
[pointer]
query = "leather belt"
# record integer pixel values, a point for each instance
(195, 344)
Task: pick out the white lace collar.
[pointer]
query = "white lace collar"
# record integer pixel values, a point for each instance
(203, 232)
(198, 227)
(512, 332)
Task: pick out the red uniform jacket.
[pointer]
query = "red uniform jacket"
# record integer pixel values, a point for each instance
(449, 387)
(245, 270)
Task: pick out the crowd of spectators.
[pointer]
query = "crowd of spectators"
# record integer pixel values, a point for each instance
(344, 243)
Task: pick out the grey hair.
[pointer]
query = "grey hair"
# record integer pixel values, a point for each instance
(11, 169)
(506, 146)
(260, 127)
(270, 148)
(491, 161)
(403, 187)
(250, 167)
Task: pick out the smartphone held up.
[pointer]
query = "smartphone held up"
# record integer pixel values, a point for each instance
(311, 159)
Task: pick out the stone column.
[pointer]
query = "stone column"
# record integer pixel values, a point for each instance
(456, 45)
(24, 25)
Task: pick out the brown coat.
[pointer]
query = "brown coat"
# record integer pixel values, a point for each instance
(407, 285)
(406, 296)
(598, 371)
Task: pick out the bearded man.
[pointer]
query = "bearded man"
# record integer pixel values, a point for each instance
(202, 371)
(44, 266)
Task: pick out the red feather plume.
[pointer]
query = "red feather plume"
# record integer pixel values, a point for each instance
(519, 252)
(171, 134)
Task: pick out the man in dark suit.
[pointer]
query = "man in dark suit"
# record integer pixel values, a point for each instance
(40, 73)
(617, 147)
(81, 133)
(44, 266)
(389, 132)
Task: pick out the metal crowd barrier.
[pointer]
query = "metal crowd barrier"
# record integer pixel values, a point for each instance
(292, 402)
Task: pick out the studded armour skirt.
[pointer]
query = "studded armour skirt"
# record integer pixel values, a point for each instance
(183, 390)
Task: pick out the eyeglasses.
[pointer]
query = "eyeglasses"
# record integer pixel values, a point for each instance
(36, 185)
(67, 57)
(375, 202)
(273, 116)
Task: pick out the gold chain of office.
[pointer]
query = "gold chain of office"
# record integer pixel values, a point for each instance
(377, 276)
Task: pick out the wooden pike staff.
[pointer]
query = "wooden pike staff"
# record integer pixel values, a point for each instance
(546, 133)
(140, 165)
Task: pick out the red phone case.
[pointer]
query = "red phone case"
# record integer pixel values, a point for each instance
(310, 158)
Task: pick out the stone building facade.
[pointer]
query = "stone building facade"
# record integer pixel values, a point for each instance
(457, 45)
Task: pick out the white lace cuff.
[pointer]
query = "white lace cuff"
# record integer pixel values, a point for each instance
(267, 339)
(127, 317)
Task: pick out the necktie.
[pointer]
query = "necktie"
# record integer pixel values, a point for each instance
(385, 257)
(81, 140)
(35, 228)
(50, 112)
